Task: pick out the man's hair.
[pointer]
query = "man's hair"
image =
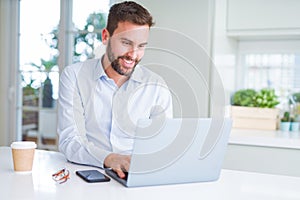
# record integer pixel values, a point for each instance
(128, 11)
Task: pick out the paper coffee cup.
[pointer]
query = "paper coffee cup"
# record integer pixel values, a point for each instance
(23, 155)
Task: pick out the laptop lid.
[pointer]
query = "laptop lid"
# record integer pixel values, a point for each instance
(179, 150)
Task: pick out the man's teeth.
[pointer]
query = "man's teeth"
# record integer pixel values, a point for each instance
(128, 61)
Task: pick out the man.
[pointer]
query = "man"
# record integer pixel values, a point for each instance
(101, 100)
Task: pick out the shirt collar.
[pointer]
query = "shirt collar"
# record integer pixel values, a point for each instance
(99, 72)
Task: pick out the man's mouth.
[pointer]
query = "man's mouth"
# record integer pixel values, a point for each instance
(127, 61)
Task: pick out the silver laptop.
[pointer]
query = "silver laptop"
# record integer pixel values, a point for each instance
(173, 151)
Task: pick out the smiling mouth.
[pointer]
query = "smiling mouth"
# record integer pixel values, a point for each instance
(127, 61)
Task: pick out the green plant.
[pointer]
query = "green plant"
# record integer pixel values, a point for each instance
(286, 117)
(244, 97)
(264, 98)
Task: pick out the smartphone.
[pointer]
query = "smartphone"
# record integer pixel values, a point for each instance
(92, 176)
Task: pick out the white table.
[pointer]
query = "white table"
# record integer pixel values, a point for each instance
(39, 184)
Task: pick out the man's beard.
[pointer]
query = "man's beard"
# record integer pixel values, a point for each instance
(115, 64)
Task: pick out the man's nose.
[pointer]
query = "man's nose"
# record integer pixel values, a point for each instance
(133, 52)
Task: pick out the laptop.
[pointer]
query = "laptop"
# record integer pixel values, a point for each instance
(177, 150)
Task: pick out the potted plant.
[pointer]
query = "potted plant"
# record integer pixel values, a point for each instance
(253, 109)
(295, 123)
(285, 122)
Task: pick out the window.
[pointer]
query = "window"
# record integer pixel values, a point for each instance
(38, 69)
(270, 64)
(89, 18)
(39, 53)
(277, 71)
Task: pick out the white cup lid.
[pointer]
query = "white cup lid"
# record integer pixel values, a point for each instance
(23, 145)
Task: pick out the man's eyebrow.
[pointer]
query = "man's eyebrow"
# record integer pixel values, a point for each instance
(125, 39)
(144, 43)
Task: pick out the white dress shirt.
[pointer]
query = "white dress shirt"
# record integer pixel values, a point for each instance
(96, 117)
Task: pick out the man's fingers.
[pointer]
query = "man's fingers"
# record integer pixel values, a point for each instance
(119, 163)
(120, 173)
(125, 166)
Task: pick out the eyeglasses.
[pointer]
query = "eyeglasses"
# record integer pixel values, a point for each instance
(61, 176)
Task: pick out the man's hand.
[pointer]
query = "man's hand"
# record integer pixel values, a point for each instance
(119, 163)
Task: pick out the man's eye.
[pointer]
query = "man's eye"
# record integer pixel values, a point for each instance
(125, 43)
(143, 46)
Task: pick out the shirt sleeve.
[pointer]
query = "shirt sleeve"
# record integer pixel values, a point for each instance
(73, 142)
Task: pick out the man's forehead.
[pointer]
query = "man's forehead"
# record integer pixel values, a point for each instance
(134, 34)
(128, 28)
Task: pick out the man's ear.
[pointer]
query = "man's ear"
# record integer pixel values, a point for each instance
(105, 36)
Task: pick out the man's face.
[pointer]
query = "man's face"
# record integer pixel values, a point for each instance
(126, 47)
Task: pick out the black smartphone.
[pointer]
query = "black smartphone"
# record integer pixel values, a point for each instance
(92, 176)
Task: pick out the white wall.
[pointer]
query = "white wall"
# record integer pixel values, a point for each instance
(224, 49)
(180, 51)
(266, 18)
